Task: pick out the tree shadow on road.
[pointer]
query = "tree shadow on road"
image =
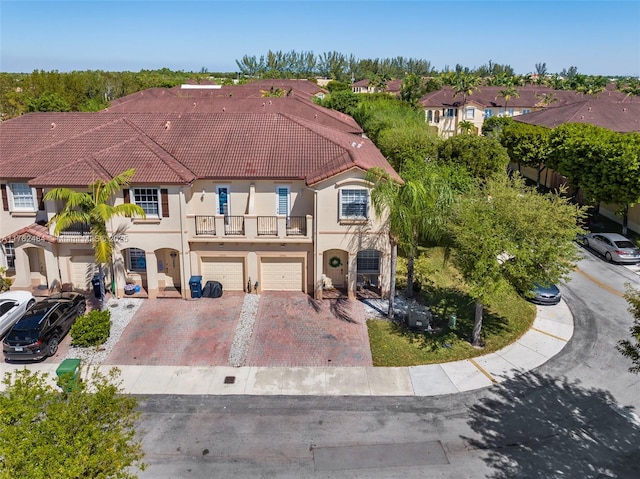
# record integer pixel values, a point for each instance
(537, 426)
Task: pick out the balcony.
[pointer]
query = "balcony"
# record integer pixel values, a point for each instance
(253, 227)
(76, 233)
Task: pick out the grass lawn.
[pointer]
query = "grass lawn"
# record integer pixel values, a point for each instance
(504, 320)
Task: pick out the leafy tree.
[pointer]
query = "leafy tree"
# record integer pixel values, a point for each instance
(378, 112)
(483, 157)
(48, 102)
(493, 127)
(526, 145)
(334, 86)
(630, 348)
(411, 142)
(465, 85)
(94, 208)
(508, 235)
(344, 101)
(412, 89)
(85, 432)
(5, 282)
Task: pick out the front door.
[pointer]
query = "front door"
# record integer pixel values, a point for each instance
(172, 268)
(335, 267)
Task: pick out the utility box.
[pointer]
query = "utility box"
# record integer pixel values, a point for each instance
(195, 285)
(69, 375)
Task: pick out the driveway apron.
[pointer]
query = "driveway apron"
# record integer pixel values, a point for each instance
(293, 329)
(174, 332)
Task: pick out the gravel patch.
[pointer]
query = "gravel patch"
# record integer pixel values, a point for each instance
(244, 330)
(377, 308)
(122, 310)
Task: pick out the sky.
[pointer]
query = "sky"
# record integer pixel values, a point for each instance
(598, 37)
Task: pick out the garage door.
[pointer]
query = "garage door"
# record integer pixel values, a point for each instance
(228, 271)
(282, 274)
(82, 270)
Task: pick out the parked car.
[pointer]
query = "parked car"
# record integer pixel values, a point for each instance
(613, 246)
(39, 331)
(13, 304)
(545, 294)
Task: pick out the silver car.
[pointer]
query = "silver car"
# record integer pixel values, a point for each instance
(613, 247)
(13, 304)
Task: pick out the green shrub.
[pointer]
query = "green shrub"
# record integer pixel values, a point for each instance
(92, 329)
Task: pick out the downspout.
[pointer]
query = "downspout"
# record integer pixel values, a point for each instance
(184, 253)
(315, 240)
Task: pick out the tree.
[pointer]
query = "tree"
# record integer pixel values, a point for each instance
(410, 142)
(465, 84)
(509, 235)
(412, 89)
(416, 210)
(466, 127)
(94, 208)
(526, 145)
(494, 126)
(48, 102)
(631, 348)
(85, 432)
(507, 93)
(541, 72)
(344, 101)
(483, 157)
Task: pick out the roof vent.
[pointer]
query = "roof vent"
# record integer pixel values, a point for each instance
(167, 125)
(359, 145)
(53, 125)
(263, 104)
(270, 102)
(353, 145)
(224, 109)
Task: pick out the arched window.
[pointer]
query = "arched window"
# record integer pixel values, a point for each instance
(429, 116)
(436, 116)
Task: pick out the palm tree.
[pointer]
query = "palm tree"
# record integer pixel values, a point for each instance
(509, 92)
(465, 84)
(466, 127)
(94, 208)
(416, 210)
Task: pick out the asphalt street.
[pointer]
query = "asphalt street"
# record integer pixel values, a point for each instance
(573, 417)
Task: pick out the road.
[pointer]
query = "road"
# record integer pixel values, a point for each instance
(574, 417)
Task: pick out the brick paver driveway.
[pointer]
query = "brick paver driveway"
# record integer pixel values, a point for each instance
(291, 329)
(175, 332)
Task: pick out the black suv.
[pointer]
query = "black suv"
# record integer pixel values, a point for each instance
(39, 331)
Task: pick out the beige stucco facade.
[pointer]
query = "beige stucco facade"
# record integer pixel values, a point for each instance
(234, 231)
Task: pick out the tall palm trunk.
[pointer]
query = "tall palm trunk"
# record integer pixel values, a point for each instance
(477, 325)
(392, 286)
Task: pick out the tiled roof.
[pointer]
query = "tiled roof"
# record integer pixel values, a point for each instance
(201, 103)
(175, 148)
(33, 229)
(618, 116)
(531, 96)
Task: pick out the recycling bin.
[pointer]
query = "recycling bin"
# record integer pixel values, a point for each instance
(195, 285)
(69, 375)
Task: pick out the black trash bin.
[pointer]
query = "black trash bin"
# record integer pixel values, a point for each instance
(195, 284)
(98, 286)
(213, 289)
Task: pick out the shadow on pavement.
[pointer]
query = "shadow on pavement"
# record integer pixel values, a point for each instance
(537, 426)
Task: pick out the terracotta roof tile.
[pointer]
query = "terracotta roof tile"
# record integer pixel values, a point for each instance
(33, 229)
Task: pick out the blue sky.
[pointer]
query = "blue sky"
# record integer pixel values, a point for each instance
(598, 37)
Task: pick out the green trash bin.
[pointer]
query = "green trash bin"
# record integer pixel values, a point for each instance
(69, 375)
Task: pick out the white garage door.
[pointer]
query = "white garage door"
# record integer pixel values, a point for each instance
(282, 274)
(228, 271)
(82, 270)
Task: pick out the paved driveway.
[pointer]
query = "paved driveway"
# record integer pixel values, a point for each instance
(290, 329)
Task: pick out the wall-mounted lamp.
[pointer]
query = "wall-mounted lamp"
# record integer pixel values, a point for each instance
(221, 245)
(202, 195)
(282, 245)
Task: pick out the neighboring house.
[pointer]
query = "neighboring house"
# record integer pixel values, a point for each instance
(363, 86)
(260, 196)
(444, 110)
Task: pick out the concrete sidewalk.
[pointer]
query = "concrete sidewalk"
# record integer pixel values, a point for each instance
(551, 330)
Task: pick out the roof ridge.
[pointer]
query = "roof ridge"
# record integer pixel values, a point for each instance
(162, 154)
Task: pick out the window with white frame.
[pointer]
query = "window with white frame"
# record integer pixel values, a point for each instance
(525, 111)
(488, 113)
(22, 197)
(450, 113)
(469, 113)
(137, 260)
(282, 207)
(10, 255)
(354, 203)
(149, 200)
(368, 261)
(436, 116)
(510, 111)
(501, 112)
(429, 116)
